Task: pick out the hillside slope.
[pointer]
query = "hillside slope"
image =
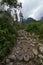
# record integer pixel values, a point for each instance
(27, 51)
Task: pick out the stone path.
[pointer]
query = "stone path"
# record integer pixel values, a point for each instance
(28, 51)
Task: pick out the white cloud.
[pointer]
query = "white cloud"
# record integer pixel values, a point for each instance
(36, 13)
(32, 8)
(0, 0)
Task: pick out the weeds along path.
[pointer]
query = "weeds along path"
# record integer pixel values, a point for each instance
(28, 51)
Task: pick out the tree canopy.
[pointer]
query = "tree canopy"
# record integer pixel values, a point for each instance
(10, 2)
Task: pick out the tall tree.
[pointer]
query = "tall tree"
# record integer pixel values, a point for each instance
(13, 4)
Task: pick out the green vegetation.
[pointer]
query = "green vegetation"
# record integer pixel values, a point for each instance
(8, 27)
(35, 27)
(11, 3)
(7, 36)
(8, 33)
(19, 26)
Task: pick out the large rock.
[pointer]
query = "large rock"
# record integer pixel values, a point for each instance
(12, 57)
(7, 61)
(19, 56)
(41, 49)
(40, 56)
(35, 51)
(33, 34)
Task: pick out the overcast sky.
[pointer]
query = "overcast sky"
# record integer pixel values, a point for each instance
(32, 8)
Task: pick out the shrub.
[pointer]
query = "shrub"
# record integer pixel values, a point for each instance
(36, 27)
(7, 36)
(32, 27)
(41, 31)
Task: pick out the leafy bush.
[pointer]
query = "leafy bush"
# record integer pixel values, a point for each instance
(36, 27)
(32, 27)
(7, 36)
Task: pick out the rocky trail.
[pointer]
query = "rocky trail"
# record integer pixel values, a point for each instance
(28, 51)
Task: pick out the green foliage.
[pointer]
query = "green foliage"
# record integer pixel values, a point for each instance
(7, 36)
(41, 30)
(18, 26)
(36, 27)
(32, 27)
(11, 2)
(7, 31)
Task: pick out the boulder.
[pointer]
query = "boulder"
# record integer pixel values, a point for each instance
(41, 49)
(40, 56)
(7, 61)
(35, 51)
(12, 57)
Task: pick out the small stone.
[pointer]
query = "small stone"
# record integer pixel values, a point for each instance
(33, 34)
(29, 34)
(18, 63)
(19, 42)
(32, 45)
(41, 49)
(12, 57)
(7, 61)
(17, 52)
(35, 51)
(26, 57)
(40, 44)
(18, 48)
(21, 38)
(28, 39)
(34, 42)
(32, 63)
(31, 40)
(40, 56)
(25, 50)
(19, 57)
(31, 55)
(11, 63)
